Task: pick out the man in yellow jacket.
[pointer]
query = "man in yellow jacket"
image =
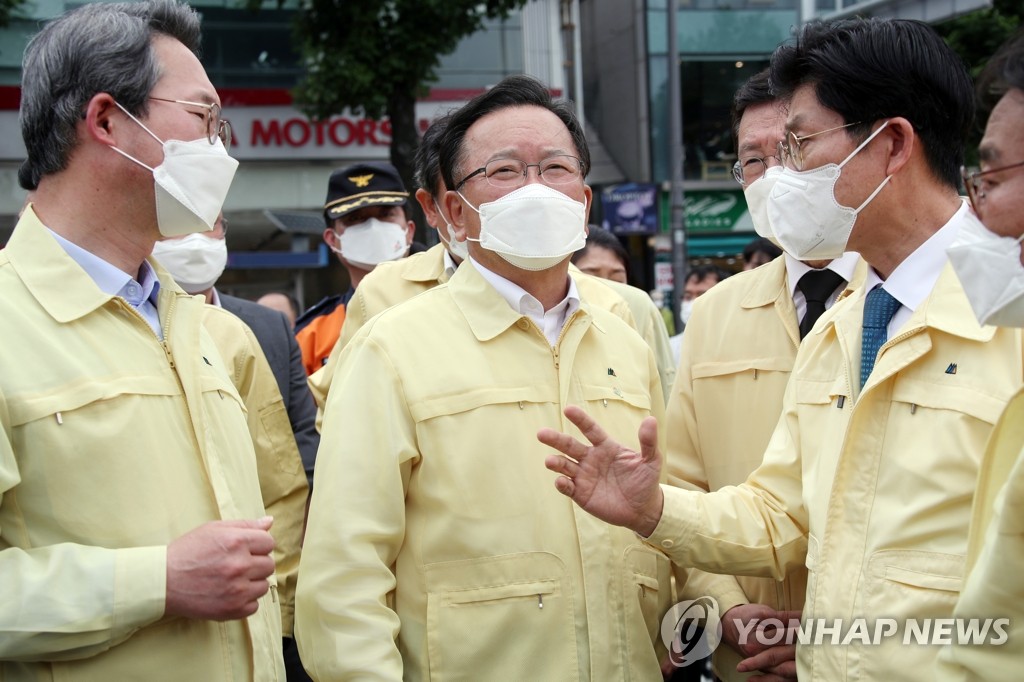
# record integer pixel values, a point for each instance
(133, 541)
(869, 476)
(436, 546)
(737, 355)
(397, 281)
(992, 271)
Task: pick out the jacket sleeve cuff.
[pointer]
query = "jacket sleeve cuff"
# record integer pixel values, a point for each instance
(140, 587)
(674, 530)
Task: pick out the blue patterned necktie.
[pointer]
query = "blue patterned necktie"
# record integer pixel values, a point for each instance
(878, 311)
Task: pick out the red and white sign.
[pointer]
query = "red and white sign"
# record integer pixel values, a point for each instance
(265, 126)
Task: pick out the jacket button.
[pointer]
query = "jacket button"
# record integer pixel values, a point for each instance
(523, 324)
(667, 544)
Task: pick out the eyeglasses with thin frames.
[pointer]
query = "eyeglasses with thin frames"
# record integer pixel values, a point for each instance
(790, 151)
(746, 171)
(216, 127)
(511, 173)
(976, 185)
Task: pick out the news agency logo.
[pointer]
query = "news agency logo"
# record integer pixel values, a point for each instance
(691, 630)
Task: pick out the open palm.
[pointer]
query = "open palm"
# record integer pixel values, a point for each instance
(614, 483)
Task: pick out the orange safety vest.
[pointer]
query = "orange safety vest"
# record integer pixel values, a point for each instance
(318, 330)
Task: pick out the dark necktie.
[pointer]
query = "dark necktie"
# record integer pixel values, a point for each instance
(817, 286)
(879, 308)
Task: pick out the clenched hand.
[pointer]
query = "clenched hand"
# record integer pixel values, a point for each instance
(219, 570)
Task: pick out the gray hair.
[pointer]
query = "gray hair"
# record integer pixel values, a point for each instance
(101, 47)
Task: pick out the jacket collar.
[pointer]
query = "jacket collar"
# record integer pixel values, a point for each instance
(53, 278)
(946, 309)
(425, 267)
(768, 289)
(487, 313)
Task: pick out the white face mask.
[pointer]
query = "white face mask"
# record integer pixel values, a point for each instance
(685, 310)
(756, 194)
(195, 262)
(989, 269)
(804, 215)
(371, 242)
(458, 249)
(533, 228)
(191, 183)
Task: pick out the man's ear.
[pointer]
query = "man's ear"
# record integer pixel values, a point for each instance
(410, 231)
(104, 120)
(589, 194)
(457, 212)
(426, 203)
(902, 141)
(331, 238)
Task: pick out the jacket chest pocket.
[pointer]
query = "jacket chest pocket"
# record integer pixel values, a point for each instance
(619, 410)
(480, 457)
(823, 410)
(504, 616)
(954, 420)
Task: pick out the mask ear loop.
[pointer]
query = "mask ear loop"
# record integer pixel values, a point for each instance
(141, 125)
(863, 144)
(854, 153)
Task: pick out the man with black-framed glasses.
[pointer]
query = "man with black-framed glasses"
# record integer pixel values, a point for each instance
(436, 546)
(869, 476)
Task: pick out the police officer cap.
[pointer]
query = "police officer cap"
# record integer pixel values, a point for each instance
(361, 185)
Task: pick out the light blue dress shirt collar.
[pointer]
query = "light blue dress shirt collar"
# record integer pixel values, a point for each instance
(141, 295)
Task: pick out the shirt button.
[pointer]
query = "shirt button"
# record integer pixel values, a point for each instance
(667, 544)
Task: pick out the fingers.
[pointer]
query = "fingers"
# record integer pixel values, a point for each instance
(769, 659)
(263, 523)
(590, 429)
(259, 542)
(562, 442)
(648, 435)
(565, 486)
(259, 568)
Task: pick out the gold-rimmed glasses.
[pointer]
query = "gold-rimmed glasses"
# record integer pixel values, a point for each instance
(216, 127)
(791, 152)
(976, 184)
(746, 171)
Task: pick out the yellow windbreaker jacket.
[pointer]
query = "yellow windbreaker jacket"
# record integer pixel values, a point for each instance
(282, 478)
(871, 489)
(437, 546)
(396, 281)
(994, 588)
(737, 353)
(113, 444)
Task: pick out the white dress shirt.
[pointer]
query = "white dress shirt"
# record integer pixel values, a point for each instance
(795, 269)
(548, 321)
(913, 279)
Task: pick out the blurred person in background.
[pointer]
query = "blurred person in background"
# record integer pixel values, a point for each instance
(281, 302)
(604, 256)
(761, 250)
